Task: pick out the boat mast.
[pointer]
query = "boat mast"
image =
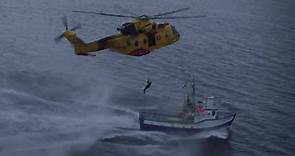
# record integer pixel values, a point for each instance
(193, 93)
(190, 97)
(193, 96)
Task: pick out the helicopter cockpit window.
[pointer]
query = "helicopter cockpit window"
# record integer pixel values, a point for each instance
(174, 30)
(162, 25)
(128, 29)
(125, 24)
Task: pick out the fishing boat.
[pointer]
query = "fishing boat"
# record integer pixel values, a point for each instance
(195, 116)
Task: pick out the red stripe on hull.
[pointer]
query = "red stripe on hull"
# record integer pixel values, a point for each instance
(139, 52)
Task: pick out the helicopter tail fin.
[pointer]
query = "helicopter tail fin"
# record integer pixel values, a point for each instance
(81, 48)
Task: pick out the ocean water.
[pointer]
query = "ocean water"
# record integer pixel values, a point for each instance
(54, 103)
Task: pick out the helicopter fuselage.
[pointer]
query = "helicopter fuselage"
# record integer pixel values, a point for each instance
(136, 38)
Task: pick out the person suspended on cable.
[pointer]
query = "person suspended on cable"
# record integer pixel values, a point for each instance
(148, 85)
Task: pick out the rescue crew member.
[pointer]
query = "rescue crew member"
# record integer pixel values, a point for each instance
(148, 85)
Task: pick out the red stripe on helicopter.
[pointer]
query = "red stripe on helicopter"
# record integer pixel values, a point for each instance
(139, 52)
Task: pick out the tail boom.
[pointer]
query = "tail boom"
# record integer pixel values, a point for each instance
(82, 48)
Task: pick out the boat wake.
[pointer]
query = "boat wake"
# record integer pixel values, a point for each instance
(220, 133)
(136, 138)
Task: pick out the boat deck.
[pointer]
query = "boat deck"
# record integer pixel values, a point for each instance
(176, 119)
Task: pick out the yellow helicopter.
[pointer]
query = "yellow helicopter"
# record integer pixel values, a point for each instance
(136, 38)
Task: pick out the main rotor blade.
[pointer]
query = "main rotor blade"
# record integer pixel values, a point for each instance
(104, 14)
(65, 22)
(58, 38)
(178, 17)
(171, 12)
(76, 27)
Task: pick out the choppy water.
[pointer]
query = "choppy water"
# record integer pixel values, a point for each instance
(56, 103)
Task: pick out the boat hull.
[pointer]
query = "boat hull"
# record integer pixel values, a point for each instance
(152, 125)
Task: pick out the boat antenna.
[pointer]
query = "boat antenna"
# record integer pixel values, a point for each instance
(194, 86)
(193, 94)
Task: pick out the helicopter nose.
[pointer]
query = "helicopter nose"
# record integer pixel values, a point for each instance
(177, 35)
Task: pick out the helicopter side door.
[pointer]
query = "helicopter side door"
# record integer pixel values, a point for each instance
(151, 39)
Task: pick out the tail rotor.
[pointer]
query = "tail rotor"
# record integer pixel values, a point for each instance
(65, 22)
(66, 25)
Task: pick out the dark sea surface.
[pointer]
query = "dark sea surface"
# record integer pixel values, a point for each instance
(54, 103)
